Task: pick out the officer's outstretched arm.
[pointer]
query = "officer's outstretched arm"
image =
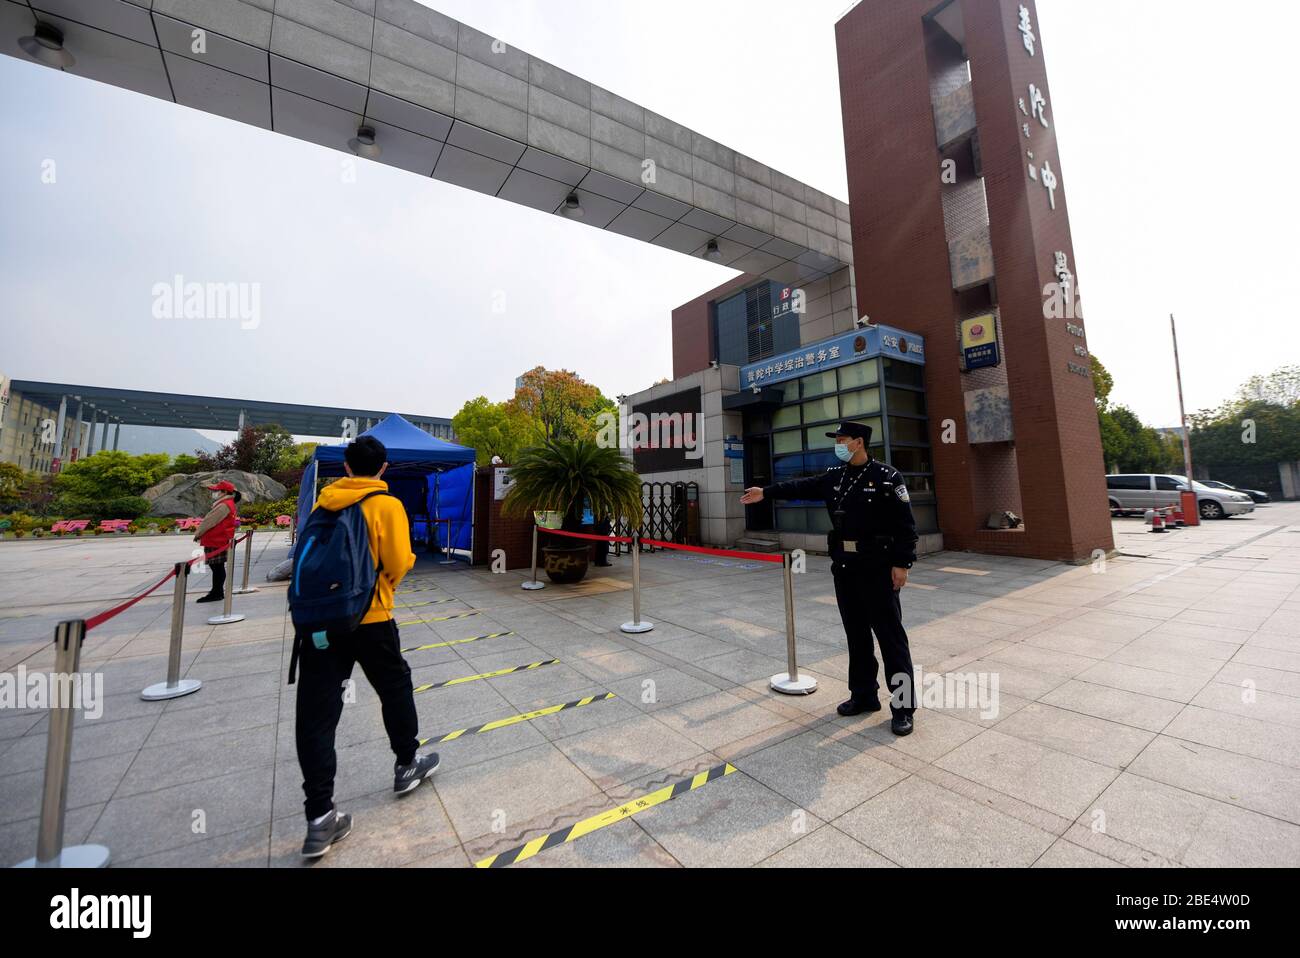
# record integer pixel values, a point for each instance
(812, 488)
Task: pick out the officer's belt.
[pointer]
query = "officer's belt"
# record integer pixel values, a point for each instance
(852, 545)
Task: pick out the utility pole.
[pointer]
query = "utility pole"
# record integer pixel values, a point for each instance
(1178, 370)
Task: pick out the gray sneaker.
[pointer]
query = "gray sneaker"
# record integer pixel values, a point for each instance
(408, 777)
(320, 837)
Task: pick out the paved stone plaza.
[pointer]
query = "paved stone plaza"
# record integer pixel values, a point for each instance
(1149, 714)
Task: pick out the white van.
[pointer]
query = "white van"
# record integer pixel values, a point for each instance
(1138, 492)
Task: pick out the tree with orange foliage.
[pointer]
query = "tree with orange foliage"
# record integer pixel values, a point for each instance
(560, 403)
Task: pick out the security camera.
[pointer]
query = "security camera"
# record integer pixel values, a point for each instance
(864, 322)
(713, 364)
(758, 390)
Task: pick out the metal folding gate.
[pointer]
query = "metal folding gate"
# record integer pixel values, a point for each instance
(670, 512)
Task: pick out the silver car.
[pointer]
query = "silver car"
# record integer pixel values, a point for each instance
(1138, 492)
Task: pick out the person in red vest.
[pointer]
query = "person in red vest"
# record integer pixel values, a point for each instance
(215, 532)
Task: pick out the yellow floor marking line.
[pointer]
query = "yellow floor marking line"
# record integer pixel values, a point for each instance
(516, 719)
(446, 645)
(589, 825)
(486, 675)
(444, 618)
(421, 605)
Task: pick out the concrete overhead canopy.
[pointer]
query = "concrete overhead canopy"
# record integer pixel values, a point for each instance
(447, 101)
(136, 408)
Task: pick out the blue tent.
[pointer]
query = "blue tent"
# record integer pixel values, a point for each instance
(433, 478)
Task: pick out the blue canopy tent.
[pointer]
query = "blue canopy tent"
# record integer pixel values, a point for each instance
(433, 478)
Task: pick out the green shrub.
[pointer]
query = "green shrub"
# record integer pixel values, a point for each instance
(264, 513)
(121, 507)
(127, 507)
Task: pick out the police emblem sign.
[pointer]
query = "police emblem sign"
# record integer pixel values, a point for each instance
(979, 341)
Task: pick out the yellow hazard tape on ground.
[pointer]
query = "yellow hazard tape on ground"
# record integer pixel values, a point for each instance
(427, 588)
(444, 618)
(589, 825)
(516, 719)
(421, 605)
(444, 645)
(487, 675)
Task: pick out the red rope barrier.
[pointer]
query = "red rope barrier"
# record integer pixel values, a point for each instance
(104, 616)
(118, 610)
(703, 550)
(583, 535)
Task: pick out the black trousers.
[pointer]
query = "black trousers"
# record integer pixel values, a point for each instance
(218, 566)
(868, 603)
(321, 674)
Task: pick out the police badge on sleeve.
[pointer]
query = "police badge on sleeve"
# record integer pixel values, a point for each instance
(902, 492)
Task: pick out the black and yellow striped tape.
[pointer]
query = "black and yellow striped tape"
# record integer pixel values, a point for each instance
(444, 645)
(421, 605)
(443, 618)
(589, 825)
(486, 675)
(516, 719)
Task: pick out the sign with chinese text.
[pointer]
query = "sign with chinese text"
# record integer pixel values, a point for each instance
(834, 352)
(979, 341)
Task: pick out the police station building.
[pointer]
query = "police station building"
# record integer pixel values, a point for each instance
(768, 387)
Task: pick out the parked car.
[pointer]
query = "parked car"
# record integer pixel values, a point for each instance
(1256, 495)
(1138, 492)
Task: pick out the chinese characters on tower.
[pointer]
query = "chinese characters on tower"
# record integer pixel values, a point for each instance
(1027, 29)
(1034, 107)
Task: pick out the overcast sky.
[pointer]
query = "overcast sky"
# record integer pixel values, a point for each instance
(1177, 147)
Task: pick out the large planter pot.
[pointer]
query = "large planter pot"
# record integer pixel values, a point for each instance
(565, 564)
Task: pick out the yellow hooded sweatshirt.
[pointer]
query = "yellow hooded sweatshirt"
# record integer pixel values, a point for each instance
(390, 536)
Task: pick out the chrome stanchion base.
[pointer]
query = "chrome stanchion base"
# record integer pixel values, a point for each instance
(636, 628)
(803, 685)
(78, 856)
(161, 690)
(531, 586)
(245, 591)
(225, 619)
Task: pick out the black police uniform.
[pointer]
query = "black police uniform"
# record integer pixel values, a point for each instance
(873, 532)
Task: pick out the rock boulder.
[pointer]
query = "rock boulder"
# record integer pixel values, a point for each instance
(183, 496)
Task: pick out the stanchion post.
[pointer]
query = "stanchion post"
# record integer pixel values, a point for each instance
(50, 853)
(532, 584)
(447, 560)
(175, 686)
(248, 564)
(228, 617)
(791, 682)
(636, 626)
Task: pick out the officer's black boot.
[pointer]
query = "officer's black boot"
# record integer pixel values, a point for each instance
(854, 707)
(901, 725)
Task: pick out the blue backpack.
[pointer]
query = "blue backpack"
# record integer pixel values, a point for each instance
(334, 579)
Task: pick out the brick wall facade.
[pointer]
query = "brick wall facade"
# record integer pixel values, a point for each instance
(886, 54)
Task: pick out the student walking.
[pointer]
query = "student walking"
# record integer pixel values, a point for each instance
(352, 553)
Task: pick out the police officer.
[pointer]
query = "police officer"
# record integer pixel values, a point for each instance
(872, 545)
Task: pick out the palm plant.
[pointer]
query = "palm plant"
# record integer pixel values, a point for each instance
(562, 475)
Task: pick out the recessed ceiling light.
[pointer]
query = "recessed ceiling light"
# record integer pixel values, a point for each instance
(363, 144)
(46, 46)
(712, 252)
(572, 207)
